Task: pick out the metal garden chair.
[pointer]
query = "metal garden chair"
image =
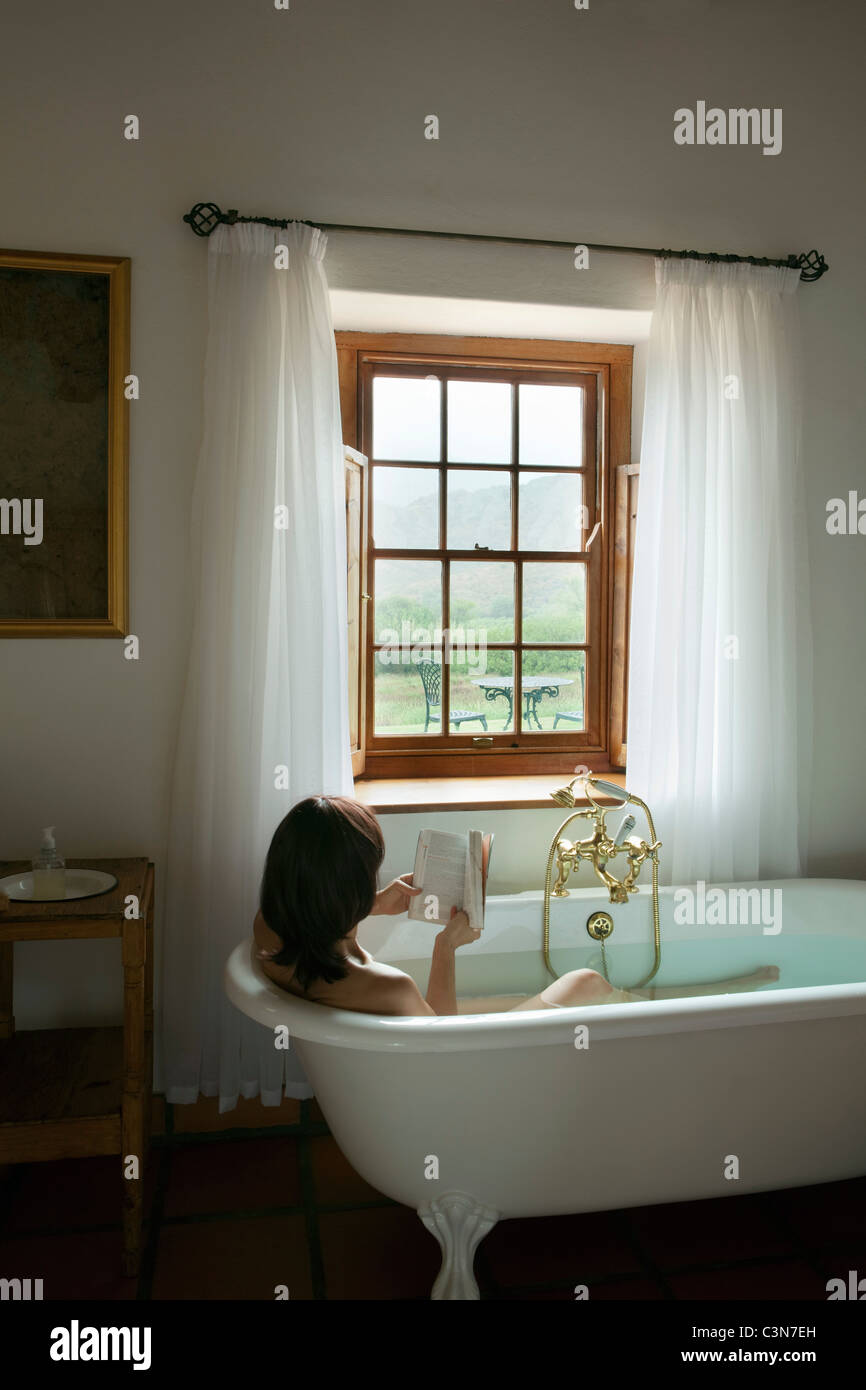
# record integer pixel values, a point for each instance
(431, 679)
(574, 715)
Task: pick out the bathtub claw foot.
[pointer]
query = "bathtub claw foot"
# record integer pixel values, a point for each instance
(459, 1223)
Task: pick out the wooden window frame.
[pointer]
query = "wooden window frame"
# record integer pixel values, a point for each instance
(602, 743)
(624, 526)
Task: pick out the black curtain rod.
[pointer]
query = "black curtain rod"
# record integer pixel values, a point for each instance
(204, 217)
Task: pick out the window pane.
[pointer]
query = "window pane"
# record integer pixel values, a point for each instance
(407, 691)
(551, 426)
(406, 419)
(479, 422)
(405, 508)
(553, 691)
(479, 509)
(408, 604)
(481, 689)
(482, 600)
(550, 511)
(554, 603)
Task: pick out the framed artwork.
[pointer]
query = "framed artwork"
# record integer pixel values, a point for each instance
(64, 439)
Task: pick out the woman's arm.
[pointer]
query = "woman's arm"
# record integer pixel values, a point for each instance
(441, 987)
(395, 898)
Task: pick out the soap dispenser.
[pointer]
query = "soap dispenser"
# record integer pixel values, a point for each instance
(49, 870)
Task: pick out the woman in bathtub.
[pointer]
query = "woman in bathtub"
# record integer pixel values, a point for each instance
(320, 882)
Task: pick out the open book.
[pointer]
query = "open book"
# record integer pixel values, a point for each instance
(451, 871)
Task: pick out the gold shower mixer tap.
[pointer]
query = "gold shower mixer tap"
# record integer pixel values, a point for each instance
(599, 847)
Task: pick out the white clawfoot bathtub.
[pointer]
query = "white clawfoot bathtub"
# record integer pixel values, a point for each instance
(476, 1118)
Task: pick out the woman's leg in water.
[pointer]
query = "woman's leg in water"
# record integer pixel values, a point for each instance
(588, 987)
(577, 987)
(767, 974)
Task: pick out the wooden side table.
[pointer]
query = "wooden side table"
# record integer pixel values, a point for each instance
(77, 1092)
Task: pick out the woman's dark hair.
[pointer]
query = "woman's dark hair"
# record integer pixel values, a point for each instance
(319, 882)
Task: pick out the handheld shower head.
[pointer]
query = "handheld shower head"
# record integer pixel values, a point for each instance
(564, 796)
(609, 788)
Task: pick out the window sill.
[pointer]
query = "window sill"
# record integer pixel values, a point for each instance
(405, 795)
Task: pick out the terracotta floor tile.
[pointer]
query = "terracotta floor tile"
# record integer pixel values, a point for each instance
(791, 1280)
(315, 1111)
(708, 1232)
(334, 1178)
(81, 1265)
(825, 1214)
(72, 1193)
(544, 1249)
(204, 1116)
(229, 1259)
(236, 1175)
(384, 1252)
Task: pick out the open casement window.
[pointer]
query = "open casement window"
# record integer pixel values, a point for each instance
(625, 518)
(486, 644)
(355, 472)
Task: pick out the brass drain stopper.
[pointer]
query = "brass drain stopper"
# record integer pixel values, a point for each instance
(599, 925)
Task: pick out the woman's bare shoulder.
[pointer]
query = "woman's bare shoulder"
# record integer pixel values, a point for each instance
(383, 989)
(374, 988)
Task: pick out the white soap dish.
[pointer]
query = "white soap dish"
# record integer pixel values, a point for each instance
(80, 883)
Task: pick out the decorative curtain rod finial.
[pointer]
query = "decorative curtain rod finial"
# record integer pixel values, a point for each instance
(812, 265)
(203, 218)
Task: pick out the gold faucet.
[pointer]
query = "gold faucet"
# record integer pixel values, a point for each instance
(599, 849)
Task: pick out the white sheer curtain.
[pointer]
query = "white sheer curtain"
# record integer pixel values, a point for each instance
(266, 679)
(719, 729)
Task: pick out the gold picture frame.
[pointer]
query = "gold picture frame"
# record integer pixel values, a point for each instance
(64, 431)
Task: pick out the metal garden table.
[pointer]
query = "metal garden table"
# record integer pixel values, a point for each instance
(533, 689)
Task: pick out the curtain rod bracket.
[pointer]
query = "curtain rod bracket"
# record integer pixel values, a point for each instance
(204, 217)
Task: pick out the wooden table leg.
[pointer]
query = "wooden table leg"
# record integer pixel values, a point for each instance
(132, 1120)
(7, 1019)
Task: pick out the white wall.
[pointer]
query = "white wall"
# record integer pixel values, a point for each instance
(554, 123)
